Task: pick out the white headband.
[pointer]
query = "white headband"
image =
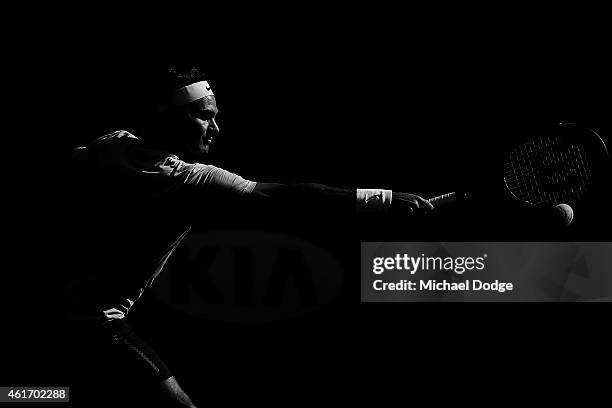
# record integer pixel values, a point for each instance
(190, 93)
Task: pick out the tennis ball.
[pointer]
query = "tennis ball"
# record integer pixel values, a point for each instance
(565, 213)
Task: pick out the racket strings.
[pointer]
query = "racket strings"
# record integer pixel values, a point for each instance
(547, 170)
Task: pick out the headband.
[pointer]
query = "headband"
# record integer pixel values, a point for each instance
(190, 93)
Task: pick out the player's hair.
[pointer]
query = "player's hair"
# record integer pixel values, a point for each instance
(175, 77)
(152, 86)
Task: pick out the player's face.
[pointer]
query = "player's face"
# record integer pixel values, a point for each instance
(197, 125)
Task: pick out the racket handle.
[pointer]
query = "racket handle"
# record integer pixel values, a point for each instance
(446, 199)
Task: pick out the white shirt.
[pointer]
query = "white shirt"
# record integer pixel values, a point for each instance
(136, 207)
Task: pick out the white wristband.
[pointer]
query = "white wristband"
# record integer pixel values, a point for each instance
(373, 200)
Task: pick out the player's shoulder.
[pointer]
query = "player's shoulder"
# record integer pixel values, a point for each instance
(118, 136)
(103, 144)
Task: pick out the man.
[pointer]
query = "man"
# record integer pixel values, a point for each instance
(141, 192)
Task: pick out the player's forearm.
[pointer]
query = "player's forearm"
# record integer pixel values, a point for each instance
(307, 191)
(334, 199)
(311, 197)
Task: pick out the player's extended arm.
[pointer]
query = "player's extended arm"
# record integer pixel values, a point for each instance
(308, 197)
(320, 195)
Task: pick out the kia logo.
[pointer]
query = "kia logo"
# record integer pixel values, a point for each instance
(248, 276)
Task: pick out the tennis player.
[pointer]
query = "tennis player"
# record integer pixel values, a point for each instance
(143, 191)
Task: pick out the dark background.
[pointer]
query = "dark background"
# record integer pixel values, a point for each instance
(419, 101)
(419, 106)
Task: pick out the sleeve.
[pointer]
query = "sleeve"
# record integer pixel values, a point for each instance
(211, 178)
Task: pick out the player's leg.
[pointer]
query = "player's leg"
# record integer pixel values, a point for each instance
(148, 362)
(173, 391)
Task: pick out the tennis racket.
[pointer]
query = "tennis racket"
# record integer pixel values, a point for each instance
(564, 164)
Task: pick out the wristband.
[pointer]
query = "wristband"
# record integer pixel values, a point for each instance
(373, 200)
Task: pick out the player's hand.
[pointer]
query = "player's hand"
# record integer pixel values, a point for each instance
(409, 204)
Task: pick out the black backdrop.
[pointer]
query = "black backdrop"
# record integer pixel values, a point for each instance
(423, 108)
(418, 102)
